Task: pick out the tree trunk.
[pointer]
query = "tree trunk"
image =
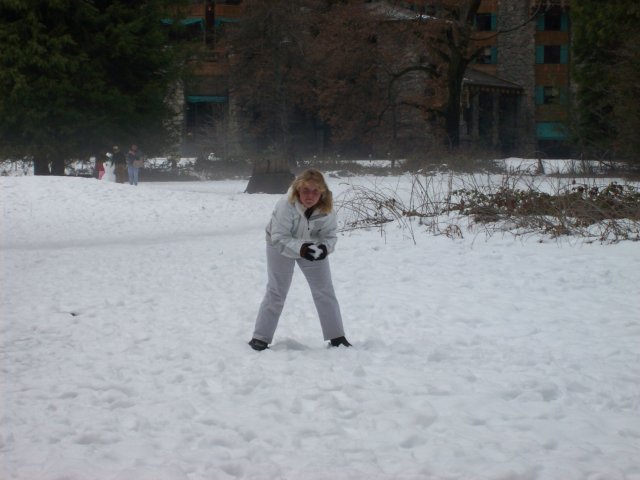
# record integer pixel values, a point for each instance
(459, 40)
(453, 128)
(41, 167)
(457, 68)
(270, 175)
(57, 167)
(452, 120)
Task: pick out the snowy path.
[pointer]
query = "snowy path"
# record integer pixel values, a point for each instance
(124, 349)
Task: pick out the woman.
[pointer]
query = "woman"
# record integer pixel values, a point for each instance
(302, 230)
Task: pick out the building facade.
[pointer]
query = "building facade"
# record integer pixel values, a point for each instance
(515, 94)
(210, 123)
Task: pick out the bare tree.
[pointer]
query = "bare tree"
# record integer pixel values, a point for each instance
(444, 49)
(268, 81)
(380, 61)
(348, 96)
(376, 74)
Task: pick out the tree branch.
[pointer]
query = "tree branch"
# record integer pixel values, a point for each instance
(513, 29)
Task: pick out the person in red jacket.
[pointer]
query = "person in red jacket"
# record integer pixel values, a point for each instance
(99, 167)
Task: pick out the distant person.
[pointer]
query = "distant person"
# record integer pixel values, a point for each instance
(302, 230)
(120, 164)
(134, 162)
(99, 168)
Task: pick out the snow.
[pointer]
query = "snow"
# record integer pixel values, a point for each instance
(315, 250)
(126, 313)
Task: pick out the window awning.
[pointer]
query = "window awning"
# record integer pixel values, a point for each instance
(220, 20)
(186, 21)
(483, 81)
(206, 99)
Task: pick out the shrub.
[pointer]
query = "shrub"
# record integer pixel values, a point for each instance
(609, 213)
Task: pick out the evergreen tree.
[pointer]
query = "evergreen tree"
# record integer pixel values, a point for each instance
(78, 76)
(606, 64)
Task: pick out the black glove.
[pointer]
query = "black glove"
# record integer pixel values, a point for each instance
(306, 252)
(324, 252)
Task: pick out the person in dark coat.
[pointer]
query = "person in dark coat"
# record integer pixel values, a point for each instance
(120, 164)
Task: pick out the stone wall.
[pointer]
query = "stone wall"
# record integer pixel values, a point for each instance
(516, 63)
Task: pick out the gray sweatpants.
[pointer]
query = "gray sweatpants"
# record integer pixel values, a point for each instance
(280, 273)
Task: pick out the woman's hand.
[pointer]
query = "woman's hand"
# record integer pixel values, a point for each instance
(323, 252)
(311, 251)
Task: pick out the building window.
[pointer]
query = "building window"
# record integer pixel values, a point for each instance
(203, 113)
(552, 54)
(552, 22)
(486, 22)
(488, 56)
(550, 95)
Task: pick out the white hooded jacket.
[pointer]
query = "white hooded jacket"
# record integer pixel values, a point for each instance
(289, 228)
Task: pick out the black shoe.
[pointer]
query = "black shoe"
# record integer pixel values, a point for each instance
(336, 342)
(258, 344)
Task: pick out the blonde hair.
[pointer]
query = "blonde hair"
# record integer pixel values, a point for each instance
(311, 175)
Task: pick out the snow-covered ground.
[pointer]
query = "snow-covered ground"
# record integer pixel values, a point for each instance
(126, 313)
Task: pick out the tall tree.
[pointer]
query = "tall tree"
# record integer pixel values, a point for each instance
(391, 61)
(347, 93)
(442, 38)
(78, 76)
(269, 81)
(606, 64)
(626, 89)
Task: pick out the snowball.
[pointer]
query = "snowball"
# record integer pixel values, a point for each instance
(315, 250)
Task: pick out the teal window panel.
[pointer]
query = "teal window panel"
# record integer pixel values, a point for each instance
(494, 55)
(206, 99)
(551, 131)
(494, 22)
(539, 54)
(540, 22)
(539, 94)
(563, 99)
(565, 22)
(564, 54)
(220, 20)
